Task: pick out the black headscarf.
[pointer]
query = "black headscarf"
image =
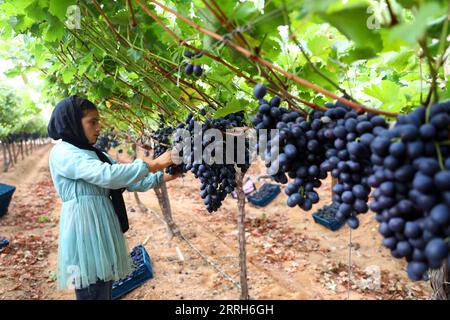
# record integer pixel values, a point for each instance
(65, 124)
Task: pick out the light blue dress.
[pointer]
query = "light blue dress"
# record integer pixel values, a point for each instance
(91, 244)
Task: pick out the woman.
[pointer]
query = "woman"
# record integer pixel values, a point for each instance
(92, 252)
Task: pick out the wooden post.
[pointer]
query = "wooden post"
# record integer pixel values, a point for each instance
(241, 233)
(21, 149)
(14, 152)
(164, 203)
(10, 157)
(5, 157)
(334, 182)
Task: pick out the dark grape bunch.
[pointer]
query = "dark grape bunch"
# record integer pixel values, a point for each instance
(190, 67)
(217, 180)
(337, 141)
(348, 159)
(162, 138)
(412, 187)
(300, 149)
(106, 141)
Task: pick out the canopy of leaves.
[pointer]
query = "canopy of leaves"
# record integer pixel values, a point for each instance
(134, 72)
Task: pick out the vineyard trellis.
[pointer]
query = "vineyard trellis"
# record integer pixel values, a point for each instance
(12, 149)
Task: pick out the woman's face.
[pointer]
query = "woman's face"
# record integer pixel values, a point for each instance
(91, 125)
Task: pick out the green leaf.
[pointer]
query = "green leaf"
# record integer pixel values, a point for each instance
(232, 107)
(355, 54)
(352, 22)
(445, 94)
(411, 31)
(68, 73)
(16, 71)
(59, 8)
(55, 30)
(317, 6)
(20, 5)
(399, 60)
(121, 17)
(409, 3)
(20, 23)
(389, 93)
(35, 11)
(40, 54)
(85, 63)
(434, 28)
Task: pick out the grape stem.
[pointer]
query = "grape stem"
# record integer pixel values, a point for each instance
(394, 19)
(133, 22)
(439, 155)
(433, 73)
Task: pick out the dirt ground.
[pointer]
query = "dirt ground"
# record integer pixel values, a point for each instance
(289, 255)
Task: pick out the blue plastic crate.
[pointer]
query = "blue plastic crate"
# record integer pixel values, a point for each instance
(6, 193)
(3, 243)
(264, 195)
(141, 273)
(330, 223)
(326, 216)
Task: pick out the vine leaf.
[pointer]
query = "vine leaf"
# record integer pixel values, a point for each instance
(55, 30)
(231, 107)
(389, 93)
(59, 8)
(68, 73)
(409, 32)
(35, 11)
(352, 22)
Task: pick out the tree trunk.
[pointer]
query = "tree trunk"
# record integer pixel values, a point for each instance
(10, 156)
(14, 152)
(164, 203)
(5, 157)
(26, 147)
(139, 202)
(241, 232)
(21, 149)
(440, 282)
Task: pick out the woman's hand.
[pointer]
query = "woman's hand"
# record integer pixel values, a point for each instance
(162, 162)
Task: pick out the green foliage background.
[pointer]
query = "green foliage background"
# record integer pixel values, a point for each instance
(352, 46)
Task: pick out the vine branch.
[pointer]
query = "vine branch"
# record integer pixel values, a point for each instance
(248, 54)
